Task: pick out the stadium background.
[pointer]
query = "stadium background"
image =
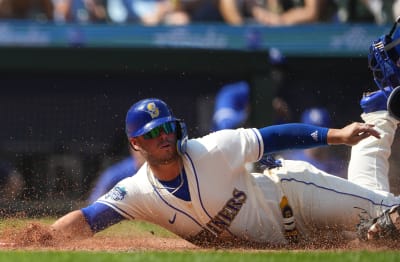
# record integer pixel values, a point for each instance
(65, 89)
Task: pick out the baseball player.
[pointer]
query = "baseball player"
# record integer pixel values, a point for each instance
(200, 190)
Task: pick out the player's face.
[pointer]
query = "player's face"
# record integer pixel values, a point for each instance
(158, 146)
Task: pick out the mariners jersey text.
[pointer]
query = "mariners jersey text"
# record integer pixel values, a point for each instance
(223, 219)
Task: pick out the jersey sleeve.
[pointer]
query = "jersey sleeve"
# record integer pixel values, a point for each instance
(234, 146)
(100, 216)
(292, 136)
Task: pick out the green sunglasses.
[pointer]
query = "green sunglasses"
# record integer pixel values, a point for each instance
(167, 128)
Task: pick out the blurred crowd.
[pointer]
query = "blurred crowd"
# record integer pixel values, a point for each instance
(182, 12)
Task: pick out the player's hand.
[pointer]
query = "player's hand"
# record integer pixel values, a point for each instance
(351, 134)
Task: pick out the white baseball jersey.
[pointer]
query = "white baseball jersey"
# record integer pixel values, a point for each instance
(228, 202)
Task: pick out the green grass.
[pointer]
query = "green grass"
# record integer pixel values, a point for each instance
(202, 256)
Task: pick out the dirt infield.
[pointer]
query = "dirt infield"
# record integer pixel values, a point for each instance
(36, 236)
(107, 244)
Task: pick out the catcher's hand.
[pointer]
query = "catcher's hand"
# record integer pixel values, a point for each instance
(387, 225)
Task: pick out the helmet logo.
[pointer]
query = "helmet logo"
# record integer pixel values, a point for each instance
(153, 110)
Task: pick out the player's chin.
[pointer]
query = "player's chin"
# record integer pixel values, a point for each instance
(170, 157)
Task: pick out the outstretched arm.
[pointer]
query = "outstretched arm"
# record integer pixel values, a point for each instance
(87, 221)
(302, 136)
(72, 225)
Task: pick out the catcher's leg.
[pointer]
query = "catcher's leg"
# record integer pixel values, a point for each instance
(369, 165)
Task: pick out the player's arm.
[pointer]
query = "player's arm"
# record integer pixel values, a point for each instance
(72, 225)
(302, 136)
(87, 221)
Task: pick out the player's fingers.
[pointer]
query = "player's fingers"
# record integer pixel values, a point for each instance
(375, 134)
(368, 130)
(363, 135)
(360, 137)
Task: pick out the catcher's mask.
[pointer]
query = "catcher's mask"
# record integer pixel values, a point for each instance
(383, 58)
(148, 116)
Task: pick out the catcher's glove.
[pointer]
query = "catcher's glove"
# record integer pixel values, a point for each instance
(387, 225)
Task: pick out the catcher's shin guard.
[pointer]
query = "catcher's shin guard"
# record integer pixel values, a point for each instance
(387, 225)
(393, 103)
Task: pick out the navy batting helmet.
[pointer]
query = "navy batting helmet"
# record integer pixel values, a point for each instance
(149, 113)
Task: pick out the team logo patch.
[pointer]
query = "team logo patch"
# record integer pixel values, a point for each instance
(153, 110)
(117, 193)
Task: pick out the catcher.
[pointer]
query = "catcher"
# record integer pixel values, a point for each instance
(200, 190)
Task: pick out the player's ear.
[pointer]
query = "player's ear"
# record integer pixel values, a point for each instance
(134, 144)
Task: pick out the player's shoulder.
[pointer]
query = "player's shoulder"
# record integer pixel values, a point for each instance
(230, 134)
(216, 135)
(225, 137)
